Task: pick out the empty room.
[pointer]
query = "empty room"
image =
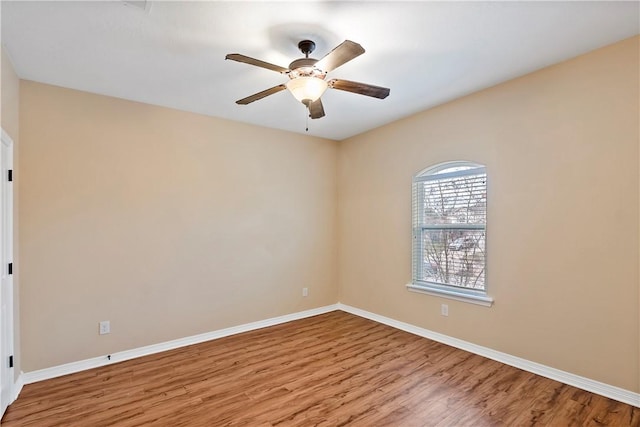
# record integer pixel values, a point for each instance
(320, 213)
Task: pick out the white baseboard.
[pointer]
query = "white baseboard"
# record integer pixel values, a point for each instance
(583, 383)
(95, 362)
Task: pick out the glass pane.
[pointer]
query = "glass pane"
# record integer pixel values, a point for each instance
(454, 257)
(452, 169)
(455, 200)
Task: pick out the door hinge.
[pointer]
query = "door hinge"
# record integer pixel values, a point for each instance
(10, 175)
(11, 361)
(10, 268)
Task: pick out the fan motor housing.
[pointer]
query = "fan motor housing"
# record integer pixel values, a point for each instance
(305, 67)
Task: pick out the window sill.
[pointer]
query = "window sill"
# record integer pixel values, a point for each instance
(483, 300)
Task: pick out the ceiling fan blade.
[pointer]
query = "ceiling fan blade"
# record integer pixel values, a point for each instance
(359, 88)
(316, 110)
(258, 63)
(341, 54)
(260, 95)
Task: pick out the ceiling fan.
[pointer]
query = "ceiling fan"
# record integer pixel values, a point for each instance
(307, 76)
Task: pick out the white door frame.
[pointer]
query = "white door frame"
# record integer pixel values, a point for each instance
(6, 257)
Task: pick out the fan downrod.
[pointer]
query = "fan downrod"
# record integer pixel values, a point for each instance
(306, 47)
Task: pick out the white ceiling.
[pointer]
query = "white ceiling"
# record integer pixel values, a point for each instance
(172, 53)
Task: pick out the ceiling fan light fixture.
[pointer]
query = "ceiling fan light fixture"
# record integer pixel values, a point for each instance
(307, 76)
(307, 89)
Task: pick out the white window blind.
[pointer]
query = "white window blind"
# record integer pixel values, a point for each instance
(449, 227)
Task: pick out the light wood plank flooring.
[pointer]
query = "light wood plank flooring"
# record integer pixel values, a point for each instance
(334, 369)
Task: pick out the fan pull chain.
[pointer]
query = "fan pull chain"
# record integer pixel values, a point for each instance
(308, 113)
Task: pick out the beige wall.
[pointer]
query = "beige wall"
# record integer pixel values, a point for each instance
(166, 223)
(9, 117)
(561, 150)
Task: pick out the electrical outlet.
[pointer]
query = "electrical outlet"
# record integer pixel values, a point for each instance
(305, 292)
(105, 327)
(444, 309)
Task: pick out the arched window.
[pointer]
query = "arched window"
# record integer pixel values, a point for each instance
(449, 231)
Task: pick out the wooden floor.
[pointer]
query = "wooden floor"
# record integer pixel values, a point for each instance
(334, 369)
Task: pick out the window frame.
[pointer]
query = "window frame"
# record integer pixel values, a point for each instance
(475, 296)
